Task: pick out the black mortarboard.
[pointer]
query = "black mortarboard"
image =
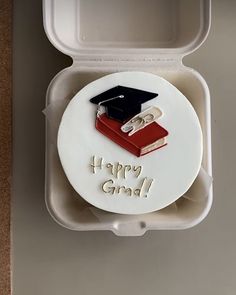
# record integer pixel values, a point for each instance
(121, 102)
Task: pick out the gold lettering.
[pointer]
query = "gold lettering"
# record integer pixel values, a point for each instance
(137, 169)
(120, 188)
(138, 191)
(108, 189)
(126, 168)
(127, 190)
(110, 166)
(96, 164)
(118, 168)
(149, 187)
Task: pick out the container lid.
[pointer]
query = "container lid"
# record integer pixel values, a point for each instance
(117, 28)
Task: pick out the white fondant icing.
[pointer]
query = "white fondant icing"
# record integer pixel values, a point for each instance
(172, 168)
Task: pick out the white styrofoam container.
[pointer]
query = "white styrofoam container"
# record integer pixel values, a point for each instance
(107, 36)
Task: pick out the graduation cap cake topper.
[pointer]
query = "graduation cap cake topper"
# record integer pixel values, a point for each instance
(125, 124)
(122, 103)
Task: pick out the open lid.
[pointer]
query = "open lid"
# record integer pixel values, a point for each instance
(85, 29)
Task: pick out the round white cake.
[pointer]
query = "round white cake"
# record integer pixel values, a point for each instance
(130, 143)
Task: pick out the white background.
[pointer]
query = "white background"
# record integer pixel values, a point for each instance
(48, 259)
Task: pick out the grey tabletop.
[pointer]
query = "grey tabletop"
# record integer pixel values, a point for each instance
(47, 259)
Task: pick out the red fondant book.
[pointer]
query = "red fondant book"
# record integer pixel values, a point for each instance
(144, 141)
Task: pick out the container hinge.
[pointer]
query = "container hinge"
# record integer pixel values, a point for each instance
(127, 62)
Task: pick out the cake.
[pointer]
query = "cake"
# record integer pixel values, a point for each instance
(130, 143)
